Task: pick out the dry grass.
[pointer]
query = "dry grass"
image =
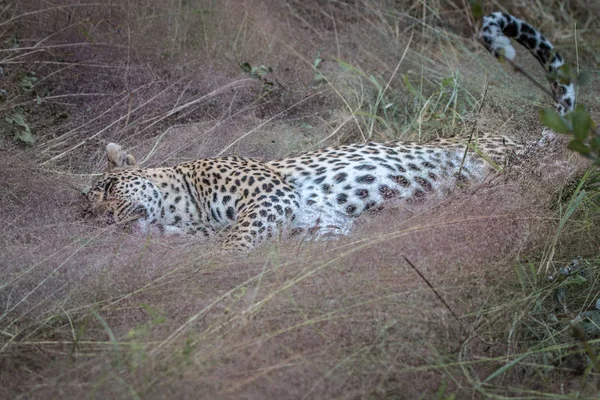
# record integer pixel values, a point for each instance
(90, 310)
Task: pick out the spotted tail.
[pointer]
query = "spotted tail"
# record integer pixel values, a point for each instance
(496, 31)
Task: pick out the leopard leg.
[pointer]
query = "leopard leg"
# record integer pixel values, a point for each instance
(258, 223)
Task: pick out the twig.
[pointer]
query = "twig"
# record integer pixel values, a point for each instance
(520, 70)
(440, 298)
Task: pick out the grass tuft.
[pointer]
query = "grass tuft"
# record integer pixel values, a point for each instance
(499, 299)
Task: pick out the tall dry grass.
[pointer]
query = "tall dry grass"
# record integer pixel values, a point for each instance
(90, 310)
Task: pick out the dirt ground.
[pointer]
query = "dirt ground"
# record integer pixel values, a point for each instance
(440, 299)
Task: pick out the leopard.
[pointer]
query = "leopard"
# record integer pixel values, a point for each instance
(205, 196)
(249, 201)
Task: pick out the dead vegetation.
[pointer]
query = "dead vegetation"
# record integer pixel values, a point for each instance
(92, 311)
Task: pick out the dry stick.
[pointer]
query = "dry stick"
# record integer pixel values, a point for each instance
(232, 85)
(440, 298)
(58, 46)
(127, 116)
(98, 133)
(169, 155)
(41, 11)
(520, 70)
(60, 139)
(267, 121)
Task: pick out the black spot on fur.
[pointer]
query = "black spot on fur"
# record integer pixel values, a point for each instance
(362, 193)
(387, 192)
(511, 30)
(366, 167)
(527, 29)
(400, 180)
(365, 179)
(341, 177)
(424, 183)
(230, 213)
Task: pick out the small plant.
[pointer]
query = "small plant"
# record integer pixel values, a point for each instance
(260, 72)
(319, 77)
(22, 131)
(138, 337)
(380, 110)
(432, 102)
(578, 123)
(28, 86)
(27, 82)
(585, 139)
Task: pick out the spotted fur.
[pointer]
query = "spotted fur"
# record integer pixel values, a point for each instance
(249, 201)
(238, 195)
(496, 31)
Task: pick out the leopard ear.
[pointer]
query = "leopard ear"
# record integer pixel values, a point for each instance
(117, 158)
(131, 161)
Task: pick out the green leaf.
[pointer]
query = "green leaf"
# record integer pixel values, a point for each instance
(375, 83)
(26, 137)
(447, 81)
(246, 67)
(554, 121)
(595, 144)
(564, 80)
(578, 146)
(575, 280)
(521, 275)
(17, 119)
(409, 86)
(476, 9)
(27, 82)
(564, 71)
(318, 60)
(505, 368)
(24, 134)
(582, 124)
(551, 76)
(319, 78)
(345, 67)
